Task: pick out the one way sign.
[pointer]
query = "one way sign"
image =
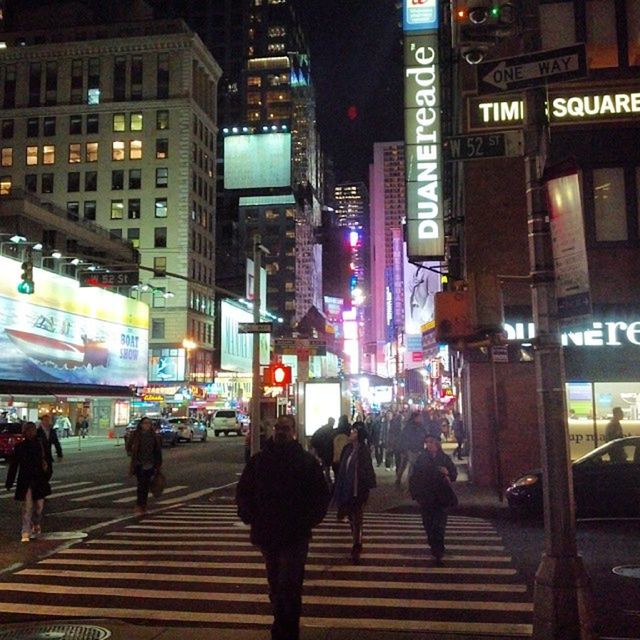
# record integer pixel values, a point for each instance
(532, 69)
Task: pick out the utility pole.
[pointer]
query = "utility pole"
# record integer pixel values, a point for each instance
(256, 386)
(562, 601)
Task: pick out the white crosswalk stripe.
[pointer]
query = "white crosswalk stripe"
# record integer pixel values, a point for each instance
(197, 560)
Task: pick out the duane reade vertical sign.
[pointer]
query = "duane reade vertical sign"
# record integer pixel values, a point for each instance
(423, 147)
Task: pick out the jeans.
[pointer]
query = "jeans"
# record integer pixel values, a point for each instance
(144, 480)
(285, 573)
(434, 521)
(31, 512)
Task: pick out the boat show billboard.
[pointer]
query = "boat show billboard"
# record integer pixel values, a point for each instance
(66, 334)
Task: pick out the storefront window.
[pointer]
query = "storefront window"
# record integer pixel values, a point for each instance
(609, 205)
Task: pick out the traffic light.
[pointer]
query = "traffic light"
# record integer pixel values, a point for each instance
(477, 25)
(26, 285)
(277, 375)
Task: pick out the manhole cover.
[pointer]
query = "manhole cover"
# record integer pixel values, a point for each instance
(628, 571)
(62, 535)
(56, 632)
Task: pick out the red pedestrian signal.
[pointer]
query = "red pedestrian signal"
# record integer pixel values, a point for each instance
(277, 375)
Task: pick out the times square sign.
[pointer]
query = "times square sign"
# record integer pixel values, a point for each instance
(423, 148)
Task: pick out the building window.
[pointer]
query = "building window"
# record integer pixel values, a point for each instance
(135, 150)
(136, 77)
(91, 152)
(117, 180)
(6, 159)
(31, 182)
(51, 83)
(91, 181)
(117, 209)
(33, 127)
(162, 76)
(160, 237)
(9, 98)
(602, 40)
(5, 185)
(77, 82)
(35, 80)
(118, 150)
(135, 178)
(119, 123)
(47, 183)
(7, 129)
(93, 123)
(32, 156)
(75, 125)
(49, 126)
(162, 177)
(161, 208)
(119, 78)
(157, 328)
(162, 120)
(133, 210)
(633, 32)
(73, 181)
(609, 206)
(115, 233)
(135, 121)
(162, 148)
(73, 210)
(49, 154)
(93, 81)
(159, 267)
(75, 153)
(90, 210)
(133, 236)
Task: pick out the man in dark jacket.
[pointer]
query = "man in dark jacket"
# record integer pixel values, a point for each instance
(49, 437)
(322, 443)
(282, 494)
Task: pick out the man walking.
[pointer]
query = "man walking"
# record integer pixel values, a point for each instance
(49, 438)
(282, 494)
(322, 443)
(614, 428)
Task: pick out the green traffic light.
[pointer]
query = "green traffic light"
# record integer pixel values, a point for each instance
(26, 287)
(495, 11)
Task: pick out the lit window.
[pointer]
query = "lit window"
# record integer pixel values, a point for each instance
(7, 156)
(159, 267)
(135, 150)
(118, 122)
(135, 122)
(32, 156)
(75, 154)
(49, 154)
(161, 208)
(117, 209)
(162, 177)
(92, 152)
(117, 150)
(162, 120)
(5, 185)
(162, 148)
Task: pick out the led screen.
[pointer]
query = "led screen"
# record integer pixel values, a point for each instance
(255, 161)
(322, 401)
(236, 349)
(66, 334)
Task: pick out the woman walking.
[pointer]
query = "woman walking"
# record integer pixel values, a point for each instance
(430, 486)
(355, 479)
(30, 464)
(145, 448)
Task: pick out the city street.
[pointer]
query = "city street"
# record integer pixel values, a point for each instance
(188, 563)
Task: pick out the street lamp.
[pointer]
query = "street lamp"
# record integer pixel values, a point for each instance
(189, 345)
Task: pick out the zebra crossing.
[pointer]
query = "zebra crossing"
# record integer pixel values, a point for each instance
(194, 564)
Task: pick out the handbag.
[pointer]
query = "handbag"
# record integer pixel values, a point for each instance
(446, 495)
(158, 483)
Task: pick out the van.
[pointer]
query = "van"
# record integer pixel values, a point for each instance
(226, 421)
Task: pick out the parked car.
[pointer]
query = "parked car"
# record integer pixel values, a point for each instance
(168, 433)
(226, 421)
(10, 435)
(606, 483)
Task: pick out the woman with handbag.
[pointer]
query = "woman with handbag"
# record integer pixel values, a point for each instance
(145, 448)
(430, 486)
(30, 464)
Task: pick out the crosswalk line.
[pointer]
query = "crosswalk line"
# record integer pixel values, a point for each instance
(132, 499)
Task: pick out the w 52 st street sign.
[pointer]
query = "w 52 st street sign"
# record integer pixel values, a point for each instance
(486, 145)
(532, 69)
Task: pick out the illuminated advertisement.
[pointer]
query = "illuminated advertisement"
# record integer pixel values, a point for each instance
(423, 147)
(421, 285)
(420, 15)
(236, 349)
(167, 365)
(563, 108)
(255, 161)
(322, 400)
(65, 334)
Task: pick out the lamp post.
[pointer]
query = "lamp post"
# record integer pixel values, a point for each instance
(189, 346)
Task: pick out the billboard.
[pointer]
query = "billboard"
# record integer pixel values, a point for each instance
(421, 285)
(322, 400)
(420, 15)
(257, 160)
(236, 349)
(423, 147)
(65, 334)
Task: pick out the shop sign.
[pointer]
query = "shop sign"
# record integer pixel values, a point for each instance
(152, 398)
(420, 15)
(563, 108)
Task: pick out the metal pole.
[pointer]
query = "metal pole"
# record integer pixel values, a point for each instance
(562, 604)
(256, 387)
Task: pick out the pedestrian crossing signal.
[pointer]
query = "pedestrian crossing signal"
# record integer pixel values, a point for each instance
(26, 285)
(277, 375)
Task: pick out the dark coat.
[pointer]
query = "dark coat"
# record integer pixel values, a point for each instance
(282, 494)
(133, 445)
(413, 436)
(27, 463)
(51, 441)
(362, 473)
(322, 442)
(427, 484)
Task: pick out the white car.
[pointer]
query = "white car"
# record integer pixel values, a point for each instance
(184, 426)
(227, 421)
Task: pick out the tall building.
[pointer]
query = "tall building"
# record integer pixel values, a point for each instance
(116, 123)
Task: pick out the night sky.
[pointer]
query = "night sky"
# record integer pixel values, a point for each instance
(356, 61)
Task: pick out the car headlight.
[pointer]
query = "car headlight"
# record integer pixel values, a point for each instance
(526, 481)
